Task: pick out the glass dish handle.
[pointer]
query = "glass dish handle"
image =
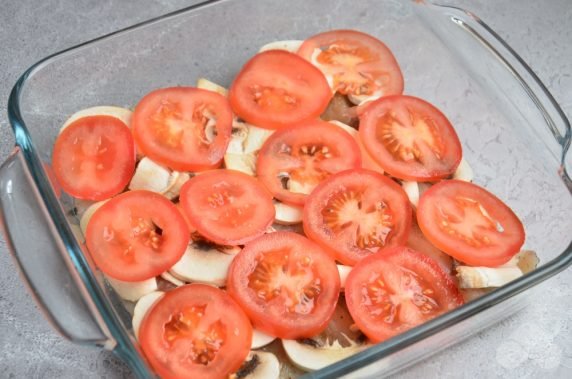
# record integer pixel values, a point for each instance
(37, 251)
(467, 33)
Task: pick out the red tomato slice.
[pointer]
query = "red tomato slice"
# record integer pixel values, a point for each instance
(392, 292)
(357, 213)
(293, 161)
(94, 157)
(357, 63)
(469, 223)
(136, 235)
(184, 128)
(195, 331)
(278, 88)
(410, 138)
(286, 284)
(227, 207)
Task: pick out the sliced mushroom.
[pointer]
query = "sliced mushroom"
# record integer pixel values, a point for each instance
(142, 307)
(132, 291)
(290, 45)
(260, 339)
(256, 138)
(412, 191)
(176, 182)
(486, 277)
(464, 172)
(205, 263)
(344, 272)
(210, 86)
(526, 261)
(362, 99)
(123, 114)
(171, 279)
(245, 163)
(150, 176)
(340, 340)
(84, 221)
(287, 214)
(238, 137)
(258, 365)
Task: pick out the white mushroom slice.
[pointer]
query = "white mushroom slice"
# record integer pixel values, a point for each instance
(344, 272)
(203, 263)
(245, 163)
(238, 137)
(260, 339)
(484, 277)
(310, 355)
(464, 172)
(287, 214)
(176, 181)
(208, 85)
(132, 291)
(87, 215)
(123, 114)
(256, 138)
(297, 187)
(171, 279)
(362, 99)
(412, 191)
(526, 261)
(352, 131)
(289, 45)
(150, 176)
(258, 365)
(142, 307)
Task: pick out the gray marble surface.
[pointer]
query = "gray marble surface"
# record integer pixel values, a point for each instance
(537, 342)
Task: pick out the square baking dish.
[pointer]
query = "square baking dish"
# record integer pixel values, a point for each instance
(514, 135)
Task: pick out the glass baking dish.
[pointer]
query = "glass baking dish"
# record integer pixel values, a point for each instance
(514, 135)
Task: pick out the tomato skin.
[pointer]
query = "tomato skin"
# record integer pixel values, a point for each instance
(227, 207)
(391, 128)
(224, 321)
(276, 88)
(359, 56)
(448, 202)
(169, 126)
(94, 157)
(136, 236)
(383, 292)
(291, 151)
(337, 215)
(281, 265)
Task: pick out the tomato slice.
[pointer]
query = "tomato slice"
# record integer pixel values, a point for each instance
(469, 223)
(278, 88)
(286, 284)
(136, 235)
(184, 128)
(357, 213)
(356, 63)
(195, 331)
(410, 138)
(293, 161)
(227, 207)
(392, 292)
(94, 157)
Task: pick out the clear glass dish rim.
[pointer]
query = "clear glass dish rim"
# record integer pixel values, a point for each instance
(125, 348)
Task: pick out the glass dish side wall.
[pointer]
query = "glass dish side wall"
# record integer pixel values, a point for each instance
(517, 161)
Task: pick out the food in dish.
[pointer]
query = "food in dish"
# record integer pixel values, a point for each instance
(312, 191)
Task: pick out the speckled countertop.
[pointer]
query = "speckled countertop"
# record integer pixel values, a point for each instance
(537, 342)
